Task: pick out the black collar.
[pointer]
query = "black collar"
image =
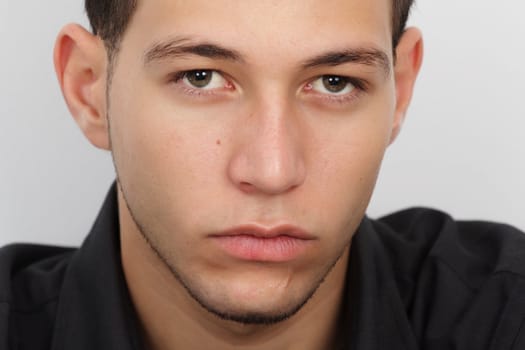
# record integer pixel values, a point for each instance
(95, 309)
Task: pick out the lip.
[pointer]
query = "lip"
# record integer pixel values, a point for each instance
(256, 243)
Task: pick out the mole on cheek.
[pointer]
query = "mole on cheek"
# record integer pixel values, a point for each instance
(218, 142)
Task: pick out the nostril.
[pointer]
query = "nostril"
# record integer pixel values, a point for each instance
(246, 187)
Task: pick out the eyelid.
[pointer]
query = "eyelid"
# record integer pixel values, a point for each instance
(360, 87)
(319, 85)
(178, 76)
(177, 79)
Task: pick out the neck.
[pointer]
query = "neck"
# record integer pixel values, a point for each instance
(171, 319)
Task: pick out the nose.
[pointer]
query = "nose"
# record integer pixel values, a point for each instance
(269, 156)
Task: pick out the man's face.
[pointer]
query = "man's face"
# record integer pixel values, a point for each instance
(269, 114)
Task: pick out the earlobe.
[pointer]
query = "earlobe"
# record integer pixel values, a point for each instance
(80, 64)
(409, 57)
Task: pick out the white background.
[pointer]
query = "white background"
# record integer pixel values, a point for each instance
(462, 148)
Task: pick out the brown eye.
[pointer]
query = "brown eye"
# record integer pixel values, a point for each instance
(334, 83)
(199, 78)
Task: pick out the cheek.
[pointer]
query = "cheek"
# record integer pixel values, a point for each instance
(163, 157)
(348, 183)
(348, 163)
(152, 132)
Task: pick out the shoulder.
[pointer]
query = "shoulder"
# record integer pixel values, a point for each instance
(462, 282)
(431, 234)
(30, 283)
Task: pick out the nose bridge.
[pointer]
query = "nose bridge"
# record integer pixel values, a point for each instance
(275, 140)
(271, 157)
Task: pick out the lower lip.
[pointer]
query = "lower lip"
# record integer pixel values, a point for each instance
(274, 249)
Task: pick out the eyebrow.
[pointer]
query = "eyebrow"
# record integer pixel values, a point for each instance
(183, 46)
(178, 47)
(368, 57)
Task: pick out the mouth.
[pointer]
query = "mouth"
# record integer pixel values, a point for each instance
(255, 243)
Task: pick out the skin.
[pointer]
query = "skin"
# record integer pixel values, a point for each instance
(266, 145)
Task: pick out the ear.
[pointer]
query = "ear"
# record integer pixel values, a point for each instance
(409, 57)
(80, 64)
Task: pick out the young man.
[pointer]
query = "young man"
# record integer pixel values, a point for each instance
(247, 137)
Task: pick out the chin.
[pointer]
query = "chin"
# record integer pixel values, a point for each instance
(256, 298)
(269, 311)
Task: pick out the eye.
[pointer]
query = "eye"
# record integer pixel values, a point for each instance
(204, 79)
(333, 85)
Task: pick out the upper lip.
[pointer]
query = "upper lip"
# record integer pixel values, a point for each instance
(266, 232)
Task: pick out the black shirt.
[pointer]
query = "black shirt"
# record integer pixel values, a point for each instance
(416, 280)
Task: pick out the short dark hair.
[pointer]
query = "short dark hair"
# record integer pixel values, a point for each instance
(110, 18)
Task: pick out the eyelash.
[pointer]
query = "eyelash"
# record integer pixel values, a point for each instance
(361, 86)
(176, 78)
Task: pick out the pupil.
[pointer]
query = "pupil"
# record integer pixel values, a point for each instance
(199, 78)
(334, 83)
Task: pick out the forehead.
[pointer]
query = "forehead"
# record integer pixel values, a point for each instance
(284, 30)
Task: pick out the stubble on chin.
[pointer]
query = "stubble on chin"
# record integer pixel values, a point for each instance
(246, 317)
